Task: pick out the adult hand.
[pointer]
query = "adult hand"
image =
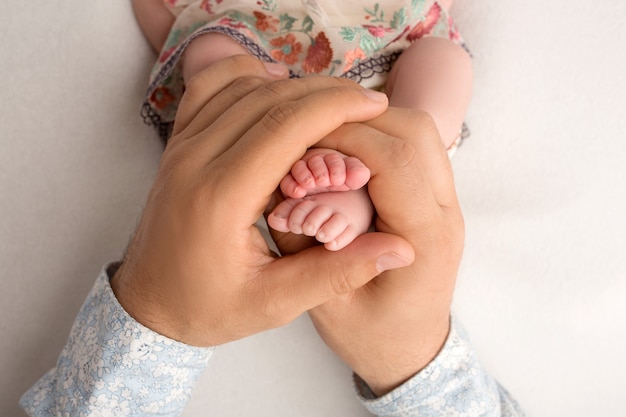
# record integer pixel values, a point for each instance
(392, 327)
(197, 269)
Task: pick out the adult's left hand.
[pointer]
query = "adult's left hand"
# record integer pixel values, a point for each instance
(392, 327)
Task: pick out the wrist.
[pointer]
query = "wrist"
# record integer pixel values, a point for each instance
(387, 372)
(134, 295)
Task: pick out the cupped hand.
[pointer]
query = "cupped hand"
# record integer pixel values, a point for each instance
(197, 269)
(393, 326)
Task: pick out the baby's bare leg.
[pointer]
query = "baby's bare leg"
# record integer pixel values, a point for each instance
(156, 21)
(206, 50)
(434, 75)
(325, 199)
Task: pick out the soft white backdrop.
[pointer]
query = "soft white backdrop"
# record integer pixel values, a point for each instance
(542, 288)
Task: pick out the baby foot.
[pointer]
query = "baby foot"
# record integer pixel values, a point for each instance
(325, 199)
(322, 170)
(333, 218)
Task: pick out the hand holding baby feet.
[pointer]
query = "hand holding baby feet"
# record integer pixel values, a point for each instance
(326, 199)
(322, 170)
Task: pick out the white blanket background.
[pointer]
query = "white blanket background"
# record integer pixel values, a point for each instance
(542, 288)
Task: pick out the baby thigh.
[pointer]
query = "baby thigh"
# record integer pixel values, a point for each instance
(434, 75)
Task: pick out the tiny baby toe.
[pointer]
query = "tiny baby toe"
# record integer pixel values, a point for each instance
(343, 240)
(357, 174)
(318, 168)
(332, 228)
(316, 219)
(278, 219)
(290, 187)
(336, 168)
(302, 175)
(299, 214)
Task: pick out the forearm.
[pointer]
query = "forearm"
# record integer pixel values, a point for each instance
(112, 363)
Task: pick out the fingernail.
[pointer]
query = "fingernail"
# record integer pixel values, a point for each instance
(391, 260)
(277, 70)
(376, 96)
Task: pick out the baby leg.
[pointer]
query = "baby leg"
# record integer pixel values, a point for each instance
(206, 50)
(326, 198)
(156, 21)
(434, 75)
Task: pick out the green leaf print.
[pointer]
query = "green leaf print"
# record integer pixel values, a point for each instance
(417, 7)
(399, 19)
(268, 5)
(377, 13)
(307, 24)
(368, 43)
(286, 22)
(348, 34)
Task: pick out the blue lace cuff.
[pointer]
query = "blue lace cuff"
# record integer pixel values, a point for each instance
(113, 363)
(453, 384)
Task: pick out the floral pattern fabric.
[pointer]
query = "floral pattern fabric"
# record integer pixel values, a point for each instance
(114, 366)
(348, 38)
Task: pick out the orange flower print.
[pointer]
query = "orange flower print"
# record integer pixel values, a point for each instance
(318, 55)
(350, 57)
(287, 49)
(425, 26)
(265, 22)
(161, 97)
(207, 5)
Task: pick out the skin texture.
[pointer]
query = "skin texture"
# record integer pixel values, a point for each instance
(195, 278)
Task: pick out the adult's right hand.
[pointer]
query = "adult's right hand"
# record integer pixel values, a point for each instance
(393, 326)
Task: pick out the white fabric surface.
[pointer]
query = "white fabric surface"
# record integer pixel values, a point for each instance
(542, 288)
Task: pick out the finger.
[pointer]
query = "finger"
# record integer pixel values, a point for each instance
(429, 153)
(396, 180)
(296, 283)
(277, 103)
(206, 84)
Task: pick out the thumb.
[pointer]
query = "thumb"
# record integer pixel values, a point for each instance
(297, 283)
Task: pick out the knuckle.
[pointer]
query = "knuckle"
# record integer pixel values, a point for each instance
(272, 310)
(281, 115)
(401, 152)
(244, 85)
(278, 90)
(343, 280)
